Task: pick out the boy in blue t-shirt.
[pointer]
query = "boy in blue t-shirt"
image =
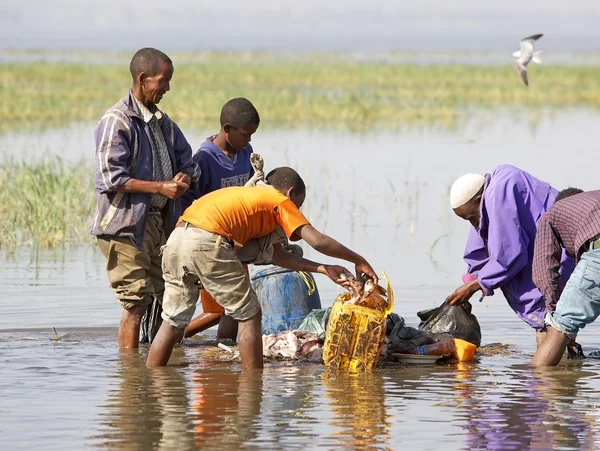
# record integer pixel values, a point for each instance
(223, 160)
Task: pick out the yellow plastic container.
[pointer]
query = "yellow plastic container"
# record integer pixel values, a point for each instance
(463, 350)
(355, 334)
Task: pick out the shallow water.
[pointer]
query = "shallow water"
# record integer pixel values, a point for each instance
(80, 391)
(384, 194)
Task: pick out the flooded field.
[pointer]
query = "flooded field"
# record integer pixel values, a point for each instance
(383, 193)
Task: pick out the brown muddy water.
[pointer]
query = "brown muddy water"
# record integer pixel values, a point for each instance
(385, 195)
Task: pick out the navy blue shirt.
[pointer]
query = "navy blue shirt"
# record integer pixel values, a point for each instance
(218, 171)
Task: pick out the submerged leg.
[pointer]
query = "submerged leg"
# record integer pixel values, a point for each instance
(129, 327)
(228, 328)
(540, 336)
(552, 348)
(163, 344)
(250, 342)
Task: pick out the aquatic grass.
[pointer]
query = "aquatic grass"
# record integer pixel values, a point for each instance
(44, 204)
(296, 93)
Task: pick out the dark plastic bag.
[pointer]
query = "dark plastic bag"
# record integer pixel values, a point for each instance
(316, 322)
(151, 322)
(391, 321)
(455, 320)
(403, 338)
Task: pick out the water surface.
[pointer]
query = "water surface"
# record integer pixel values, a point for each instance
(385, 194)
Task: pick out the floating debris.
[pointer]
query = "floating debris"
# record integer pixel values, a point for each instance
(56, 337)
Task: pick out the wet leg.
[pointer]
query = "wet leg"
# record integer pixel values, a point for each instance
(250, 342)
(163, 344)
(129, 327)
(228, 328)
(540, 336)
(551, 349)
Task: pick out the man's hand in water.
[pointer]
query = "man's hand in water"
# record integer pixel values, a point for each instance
(463, 293)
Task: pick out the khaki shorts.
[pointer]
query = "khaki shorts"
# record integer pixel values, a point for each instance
(191, 255)
(134, 275)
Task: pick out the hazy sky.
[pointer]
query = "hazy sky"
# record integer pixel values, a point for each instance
(300, 24)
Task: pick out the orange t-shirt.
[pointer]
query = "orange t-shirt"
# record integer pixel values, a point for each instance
(241, 213)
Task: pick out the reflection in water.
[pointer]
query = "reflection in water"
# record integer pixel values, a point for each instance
(226, 405)
(403, 203)
(358, 403)
(148, 409)
(532, 411)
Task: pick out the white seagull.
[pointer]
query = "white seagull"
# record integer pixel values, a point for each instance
(526, 54)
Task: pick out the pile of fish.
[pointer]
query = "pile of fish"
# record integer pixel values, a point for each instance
(365, 292)
(295, 345)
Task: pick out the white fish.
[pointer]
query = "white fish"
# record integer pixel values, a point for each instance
(293, 342)
(526, 54)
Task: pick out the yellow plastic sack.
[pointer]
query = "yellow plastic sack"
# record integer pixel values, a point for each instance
(355, 334)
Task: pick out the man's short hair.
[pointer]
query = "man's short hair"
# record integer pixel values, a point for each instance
(284, 178)
(567, 193)
(240, 113)
(147, 60)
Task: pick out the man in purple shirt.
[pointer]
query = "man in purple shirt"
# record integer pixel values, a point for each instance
(223, 160)
(504, 208)
(571, 225)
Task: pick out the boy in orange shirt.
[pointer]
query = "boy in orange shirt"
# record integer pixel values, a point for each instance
(201, 248)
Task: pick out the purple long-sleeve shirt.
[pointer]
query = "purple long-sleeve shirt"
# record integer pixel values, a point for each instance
(500, 252)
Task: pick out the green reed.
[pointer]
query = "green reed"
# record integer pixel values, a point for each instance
(45, 204)
(295, 93)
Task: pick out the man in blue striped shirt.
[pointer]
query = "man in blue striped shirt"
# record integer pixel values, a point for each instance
(143, 165)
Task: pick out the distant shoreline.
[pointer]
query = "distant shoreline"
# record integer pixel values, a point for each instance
(313, 92)
(420, 57)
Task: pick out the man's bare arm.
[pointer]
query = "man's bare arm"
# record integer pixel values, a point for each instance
(328, 246)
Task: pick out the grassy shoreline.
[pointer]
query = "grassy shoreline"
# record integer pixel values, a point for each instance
(45, 204)
(292, 94)
(50, 203)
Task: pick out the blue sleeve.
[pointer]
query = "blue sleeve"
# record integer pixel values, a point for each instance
(113, 136)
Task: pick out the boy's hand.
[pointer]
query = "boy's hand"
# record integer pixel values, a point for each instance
(363, 267)
(334, 272)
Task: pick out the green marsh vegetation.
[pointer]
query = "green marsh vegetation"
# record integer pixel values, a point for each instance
(296, 93)
(45, 204)
(50, 203)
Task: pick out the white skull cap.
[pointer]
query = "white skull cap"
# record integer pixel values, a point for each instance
(465, 188)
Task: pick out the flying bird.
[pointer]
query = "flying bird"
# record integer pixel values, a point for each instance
(526, 54)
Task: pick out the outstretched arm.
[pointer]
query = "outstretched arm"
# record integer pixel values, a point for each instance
(546, 262)
(330, 247)
(507, 240)
(476, 256)
(291, 261)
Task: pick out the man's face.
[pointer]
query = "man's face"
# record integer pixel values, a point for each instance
(155, 87)
(470, 211)
(239, 138)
